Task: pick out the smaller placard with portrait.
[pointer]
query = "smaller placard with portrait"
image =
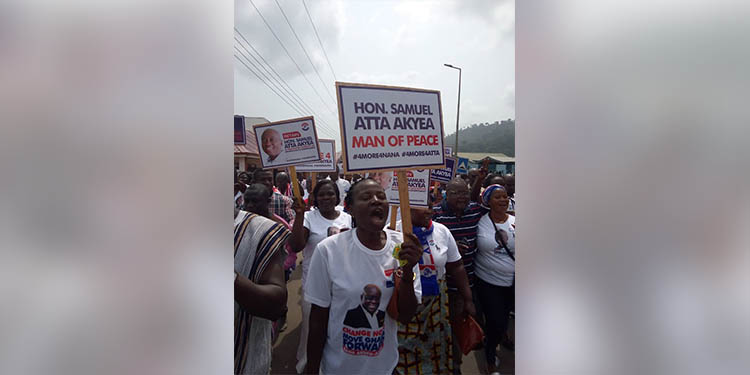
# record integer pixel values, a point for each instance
(287, 143)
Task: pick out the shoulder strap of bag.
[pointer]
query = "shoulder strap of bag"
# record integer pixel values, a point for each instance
(501, 242)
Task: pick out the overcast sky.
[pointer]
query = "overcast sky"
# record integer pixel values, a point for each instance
(395, 43)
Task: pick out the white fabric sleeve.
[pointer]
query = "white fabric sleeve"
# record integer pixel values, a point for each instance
(318, 284)
(453, 254)
(306, 222)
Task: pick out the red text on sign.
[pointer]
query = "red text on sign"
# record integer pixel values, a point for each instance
(292, 135)
(369, 141)
(421, 140)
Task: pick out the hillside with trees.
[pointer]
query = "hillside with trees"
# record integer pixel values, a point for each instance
(486, 137)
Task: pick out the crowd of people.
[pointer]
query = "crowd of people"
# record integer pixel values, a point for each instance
(375, 300)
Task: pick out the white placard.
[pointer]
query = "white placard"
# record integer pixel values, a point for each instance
(326, 162)
(419, 187)
(288, 142)
(390, 128)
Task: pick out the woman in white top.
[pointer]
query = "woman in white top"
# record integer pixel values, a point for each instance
(494, 267)
(349, 286)
(425, 342)
(309, 229)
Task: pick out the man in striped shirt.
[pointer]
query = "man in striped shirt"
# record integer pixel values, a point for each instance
(461, 216)
(460, 212)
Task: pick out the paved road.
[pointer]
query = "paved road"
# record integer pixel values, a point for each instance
(285, 348)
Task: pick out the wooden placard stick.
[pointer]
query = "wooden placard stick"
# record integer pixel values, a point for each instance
(295, 182)
(436, 190)
(403, 197)
(394, 212)
(313, 178)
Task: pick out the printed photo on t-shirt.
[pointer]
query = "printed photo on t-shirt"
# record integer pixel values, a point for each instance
(363, 330)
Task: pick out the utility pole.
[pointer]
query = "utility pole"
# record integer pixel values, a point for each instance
(458, 107)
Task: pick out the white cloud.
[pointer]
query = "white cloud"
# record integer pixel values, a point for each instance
(399, 43)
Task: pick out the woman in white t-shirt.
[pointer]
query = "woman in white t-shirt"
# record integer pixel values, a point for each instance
(309, 229)
(494, 267)
(425, 346)
(349, 285)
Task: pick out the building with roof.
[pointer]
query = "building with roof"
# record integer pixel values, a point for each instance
(247, 157)
(499, 162)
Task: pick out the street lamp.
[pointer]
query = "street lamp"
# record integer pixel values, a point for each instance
(458, 108)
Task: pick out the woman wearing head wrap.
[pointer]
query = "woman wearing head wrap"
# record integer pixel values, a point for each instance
(495, 268)
(425, 343)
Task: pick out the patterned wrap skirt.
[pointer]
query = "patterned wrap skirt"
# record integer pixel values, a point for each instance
(425, 344)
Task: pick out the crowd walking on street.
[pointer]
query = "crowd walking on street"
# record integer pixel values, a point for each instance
(374, 299)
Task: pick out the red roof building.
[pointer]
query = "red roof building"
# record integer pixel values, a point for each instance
(247, 156)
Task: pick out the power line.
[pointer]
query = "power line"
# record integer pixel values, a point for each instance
(303, 48)
(264, 82)
(306, 106)
(287, 86)
(264, 74)
(290, 55)
(324, 126)
(318, 37)
(272, 79)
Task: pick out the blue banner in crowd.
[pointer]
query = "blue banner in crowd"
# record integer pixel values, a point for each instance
(444, 174)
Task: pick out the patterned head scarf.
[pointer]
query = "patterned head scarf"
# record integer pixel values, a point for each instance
(488, 193)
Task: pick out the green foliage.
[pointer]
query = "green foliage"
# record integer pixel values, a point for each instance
(486, 137)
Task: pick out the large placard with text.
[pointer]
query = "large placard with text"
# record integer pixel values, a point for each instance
(390, 128)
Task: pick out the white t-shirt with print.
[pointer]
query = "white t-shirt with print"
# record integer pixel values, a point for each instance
(340, 269)
(320, 228)
(443, 249)
(491, 263)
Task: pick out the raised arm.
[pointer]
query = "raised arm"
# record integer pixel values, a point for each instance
(476, 185)
(300, 234)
